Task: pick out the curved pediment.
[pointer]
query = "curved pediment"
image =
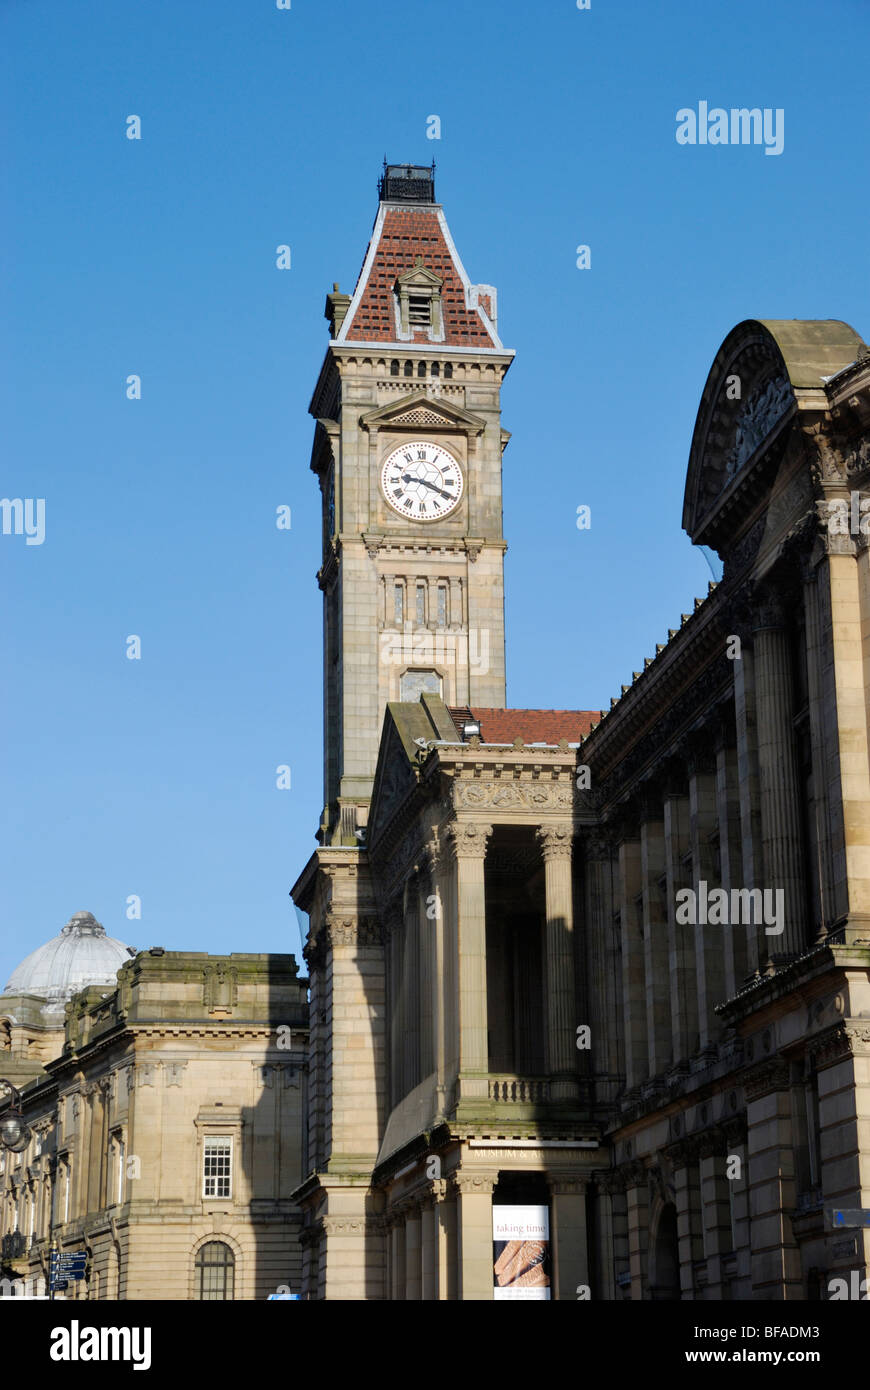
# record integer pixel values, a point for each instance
(764, 374)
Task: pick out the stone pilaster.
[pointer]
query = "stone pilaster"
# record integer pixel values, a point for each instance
(775, 1260)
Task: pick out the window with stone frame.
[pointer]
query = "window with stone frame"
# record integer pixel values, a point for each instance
(217, 1166)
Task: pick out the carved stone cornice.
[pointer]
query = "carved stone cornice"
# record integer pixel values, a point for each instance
(765, 1078)
(556, 841)
(469, 839)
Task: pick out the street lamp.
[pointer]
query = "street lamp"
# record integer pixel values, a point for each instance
(14, 1129)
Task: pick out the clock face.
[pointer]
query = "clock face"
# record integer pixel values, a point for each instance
(422, 481)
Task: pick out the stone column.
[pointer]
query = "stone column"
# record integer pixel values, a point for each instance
(634, 1023)
(710, 938)
(687, 1199)
(748, 774)
(397, 1262)
(556, 847)
(780, 794)
(681, 937)
(568, 1238)
(609, 1187)
(655, 933)
(820, 711)
(637, 1217)
(715, 1206)
(474, 1236)
(603, 995)
(775, 1258)
(469, 845)
(730, 855)
(394, 933)
(413, 1253)
(430, 1254)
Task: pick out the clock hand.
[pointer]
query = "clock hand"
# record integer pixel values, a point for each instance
(409, 478)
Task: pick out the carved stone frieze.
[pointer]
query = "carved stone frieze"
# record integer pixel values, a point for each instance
(517, 795)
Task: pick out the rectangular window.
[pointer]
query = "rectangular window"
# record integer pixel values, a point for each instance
(442, 605)
(421, 603)
(399, 604)
(217, 1167)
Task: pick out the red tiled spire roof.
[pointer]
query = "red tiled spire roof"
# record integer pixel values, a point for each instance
(531, 725)
(402, 233)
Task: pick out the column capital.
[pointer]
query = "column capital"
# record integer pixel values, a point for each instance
(473, 1184)
(596, 845)
(565, 1186)
(556, 841)
(469, 838)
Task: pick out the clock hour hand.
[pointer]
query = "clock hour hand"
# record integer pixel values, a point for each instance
(409, 478)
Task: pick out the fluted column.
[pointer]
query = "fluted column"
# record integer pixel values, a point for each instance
(429, 1251)
(556, 848)
(780, 816)
(469, 847)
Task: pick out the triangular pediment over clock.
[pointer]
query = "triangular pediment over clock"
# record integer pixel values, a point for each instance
(419, 411)
(766, 375)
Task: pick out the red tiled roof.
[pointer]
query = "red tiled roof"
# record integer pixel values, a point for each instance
(405, 234)
(531, 725)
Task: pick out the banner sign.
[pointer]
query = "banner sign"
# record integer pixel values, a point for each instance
(521, 1252)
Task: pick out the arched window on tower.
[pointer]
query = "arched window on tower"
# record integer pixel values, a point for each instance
(448, 370)
(215, 1268)
(409, 369)
(421, 368)
(394, 367)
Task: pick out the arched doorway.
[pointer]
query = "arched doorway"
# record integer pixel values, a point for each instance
(664, 1283)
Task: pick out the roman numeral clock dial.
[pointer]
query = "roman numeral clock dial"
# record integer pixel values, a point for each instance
(422, 481)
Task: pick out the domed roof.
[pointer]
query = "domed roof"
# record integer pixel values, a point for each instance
(80, 955)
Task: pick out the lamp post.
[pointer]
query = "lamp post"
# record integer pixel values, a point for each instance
(14, 1129)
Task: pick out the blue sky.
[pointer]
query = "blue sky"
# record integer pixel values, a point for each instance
(157, 257)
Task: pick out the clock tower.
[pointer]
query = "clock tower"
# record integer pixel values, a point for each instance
(407, 449)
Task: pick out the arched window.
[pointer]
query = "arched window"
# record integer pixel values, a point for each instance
(215, 1271)
(409, 369)
(421, 368)
(394, 368)
(448, 370)
(436, 369)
